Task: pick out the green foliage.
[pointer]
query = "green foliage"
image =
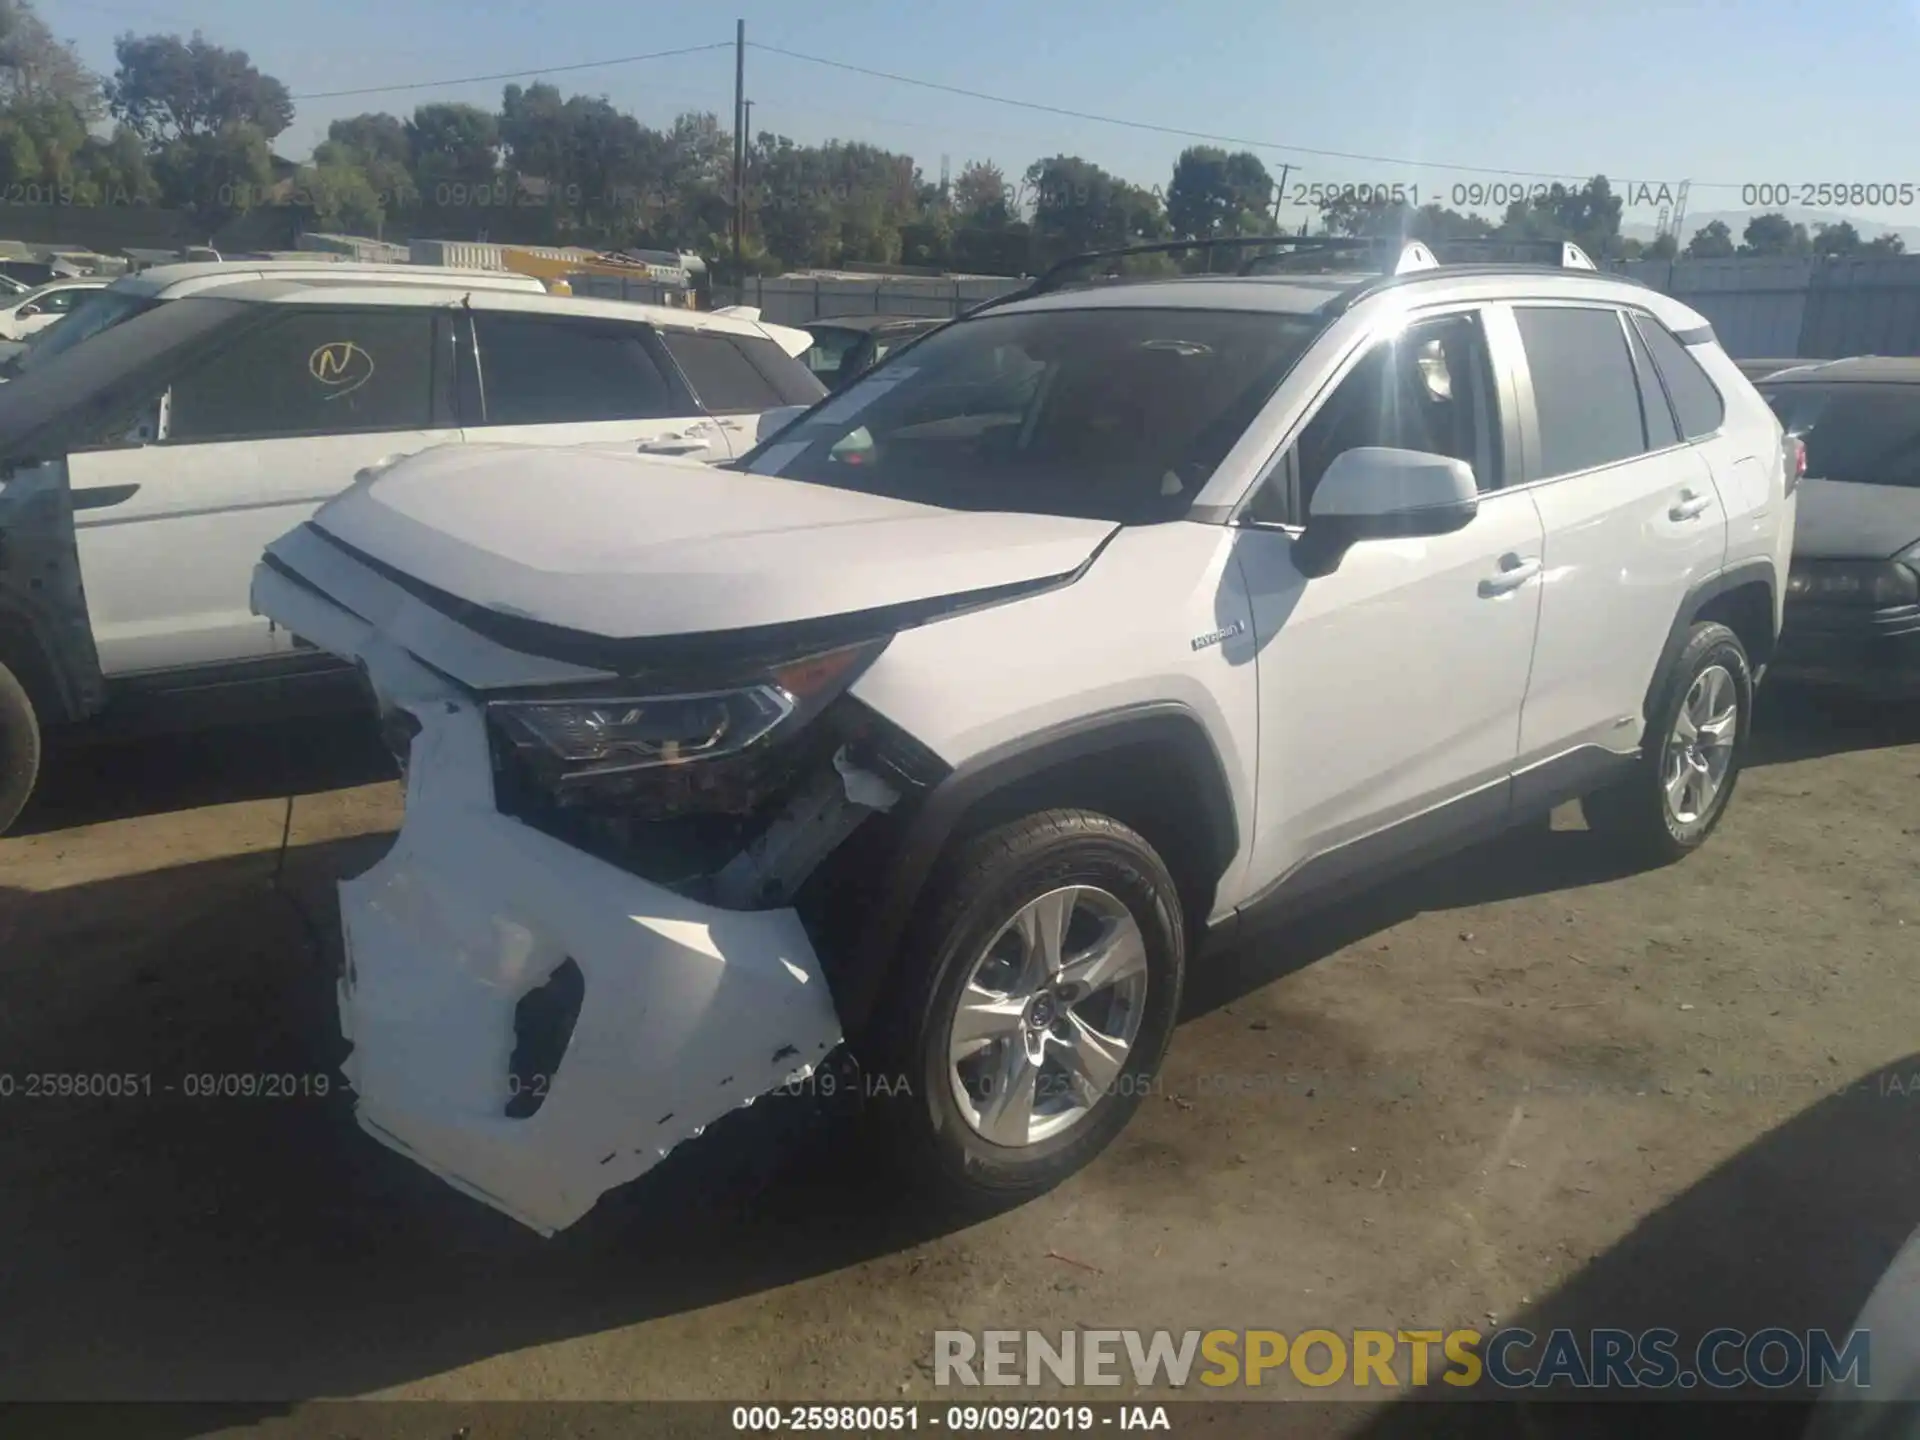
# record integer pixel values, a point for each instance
(1712, 241)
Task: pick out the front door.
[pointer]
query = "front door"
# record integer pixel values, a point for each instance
(1390, 689)
(251, 441)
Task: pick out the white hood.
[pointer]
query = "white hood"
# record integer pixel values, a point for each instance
(633, 547)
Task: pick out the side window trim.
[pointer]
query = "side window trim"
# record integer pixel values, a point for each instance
(1282, 464)
(1641, 319)
(680, 396)
(1652, 386)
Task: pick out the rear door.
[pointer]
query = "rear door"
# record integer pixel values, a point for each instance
(1633, 521)
(737, 378)
(243, 445)
(529, 378)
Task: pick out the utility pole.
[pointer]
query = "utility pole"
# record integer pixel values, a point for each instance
(1280, 193)
(739, 150)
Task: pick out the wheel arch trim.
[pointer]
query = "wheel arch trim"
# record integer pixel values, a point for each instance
(1164, 723)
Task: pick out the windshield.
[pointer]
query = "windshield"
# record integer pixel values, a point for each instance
(1105, 413)
(96, 311)
(1861, 434)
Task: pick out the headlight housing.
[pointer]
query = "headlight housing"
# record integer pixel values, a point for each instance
(1878, 583)
(581, 747)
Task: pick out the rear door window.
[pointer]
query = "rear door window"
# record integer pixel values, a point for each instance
(1584, 393)
(1695, 399)
(548, 370)
(1860, 434)
(312, 372)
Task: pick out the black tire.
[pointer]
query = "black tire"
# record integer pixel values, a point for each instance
(971, 901)
(19, 748)
(1634, 815)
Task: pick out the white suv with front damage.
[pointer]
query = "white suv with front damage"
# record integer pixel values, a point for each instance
(956, 721)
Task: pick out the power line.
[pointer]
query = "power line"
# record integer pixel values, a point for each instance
(514, 74)
(1158, 129)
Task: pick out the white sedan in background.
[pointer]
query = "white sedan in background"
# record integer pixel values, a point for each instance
(44, 305)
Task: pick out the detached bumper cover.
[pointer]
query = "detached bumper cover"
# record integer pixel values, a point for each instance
(688, 1011)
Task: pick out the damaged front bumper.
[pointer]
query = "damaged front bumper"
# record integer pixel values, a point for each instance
(685, 1011)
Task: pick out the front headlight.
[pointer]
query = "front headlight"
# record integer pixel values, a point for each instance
(1876, 583)
(577, 742)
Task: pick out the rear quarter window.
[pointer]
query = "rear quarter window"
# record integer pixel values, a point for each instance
(739, 374)
(1696, 400)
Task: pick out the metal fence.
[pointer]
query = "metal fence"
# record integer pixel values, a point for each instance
(1792, 309)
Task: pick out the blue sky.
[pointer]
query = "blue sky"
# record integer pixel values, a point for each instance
(1769, 91)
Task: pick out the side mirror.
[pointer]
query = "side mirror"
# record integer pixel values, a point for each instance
(1375, 492)
(772, 422)
(26, 312)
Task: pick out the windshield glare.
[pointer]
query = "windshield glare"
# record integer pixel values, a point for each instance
(1107, 413)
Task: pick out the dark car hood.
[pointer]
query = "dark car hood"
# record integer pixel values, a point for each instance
(1839, 520)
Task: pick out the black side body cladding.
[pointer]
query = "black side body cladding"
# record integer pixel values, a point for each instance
(1168, 726)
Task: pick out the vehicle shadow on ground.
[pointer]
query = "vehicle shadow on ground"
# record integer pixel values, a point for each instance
(1794, 1231)
(164, 1243)
(90, 783)
(1803, 723)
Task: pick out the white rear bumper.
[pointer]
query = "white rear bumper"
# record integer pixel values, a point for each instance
(688, 1012)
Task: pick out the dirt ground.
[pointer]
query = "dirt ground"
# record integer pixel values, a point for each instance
(1522, 1085)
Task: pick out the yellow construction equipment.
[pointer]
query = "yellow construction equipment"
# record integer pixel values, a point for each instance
(553, 267)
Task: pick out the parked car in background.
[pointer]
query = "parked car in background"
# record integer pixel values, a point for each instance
(136, 294)
(1757, 370)
(11, 286)
(23, 315)
(142, 473)
(33, 273)
(848, 345)
(1100, 625)
(1853, 597)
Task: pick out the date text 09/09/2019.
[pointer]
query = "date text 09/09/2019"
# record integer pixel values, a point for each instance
(139, 1085)
(960, 1419)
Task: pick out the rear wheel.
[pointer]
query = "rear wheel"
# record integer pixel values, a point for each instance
(19, 748)
(1056, 962)
(1680, 788)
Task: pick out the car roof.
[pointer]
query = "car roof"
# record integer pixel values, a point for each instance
(174, 281)
(67, 282)
(432, 296)
(1334, 294)
(1855, 369)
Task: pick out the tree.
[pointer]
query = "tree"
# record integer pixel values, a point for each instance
(454, 154)
(1588, 215)
(171, 89)
(1837, 240)
(1712, 241)
(1431, 223)
(1774, 235)
(1077, 207)
(981, 196)
(36, 68)
(1662, 247)
(1213, 193)
(1887, 244)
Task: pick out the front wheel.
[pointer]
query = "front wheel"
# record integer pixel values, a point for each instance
(1056, 958)
(1696, 738)
(19, 748)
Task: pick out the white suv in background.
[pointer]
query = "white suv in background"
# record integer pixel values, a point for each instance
(953, 722)
(143, 470)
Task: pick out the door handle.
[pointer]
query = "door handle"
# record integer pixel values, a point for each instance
(1514, 572)
(99, 497)
(1689, 506)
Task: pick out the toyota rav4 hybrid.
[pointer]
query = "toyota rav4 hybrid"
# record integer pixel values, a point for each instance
(957, 721)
